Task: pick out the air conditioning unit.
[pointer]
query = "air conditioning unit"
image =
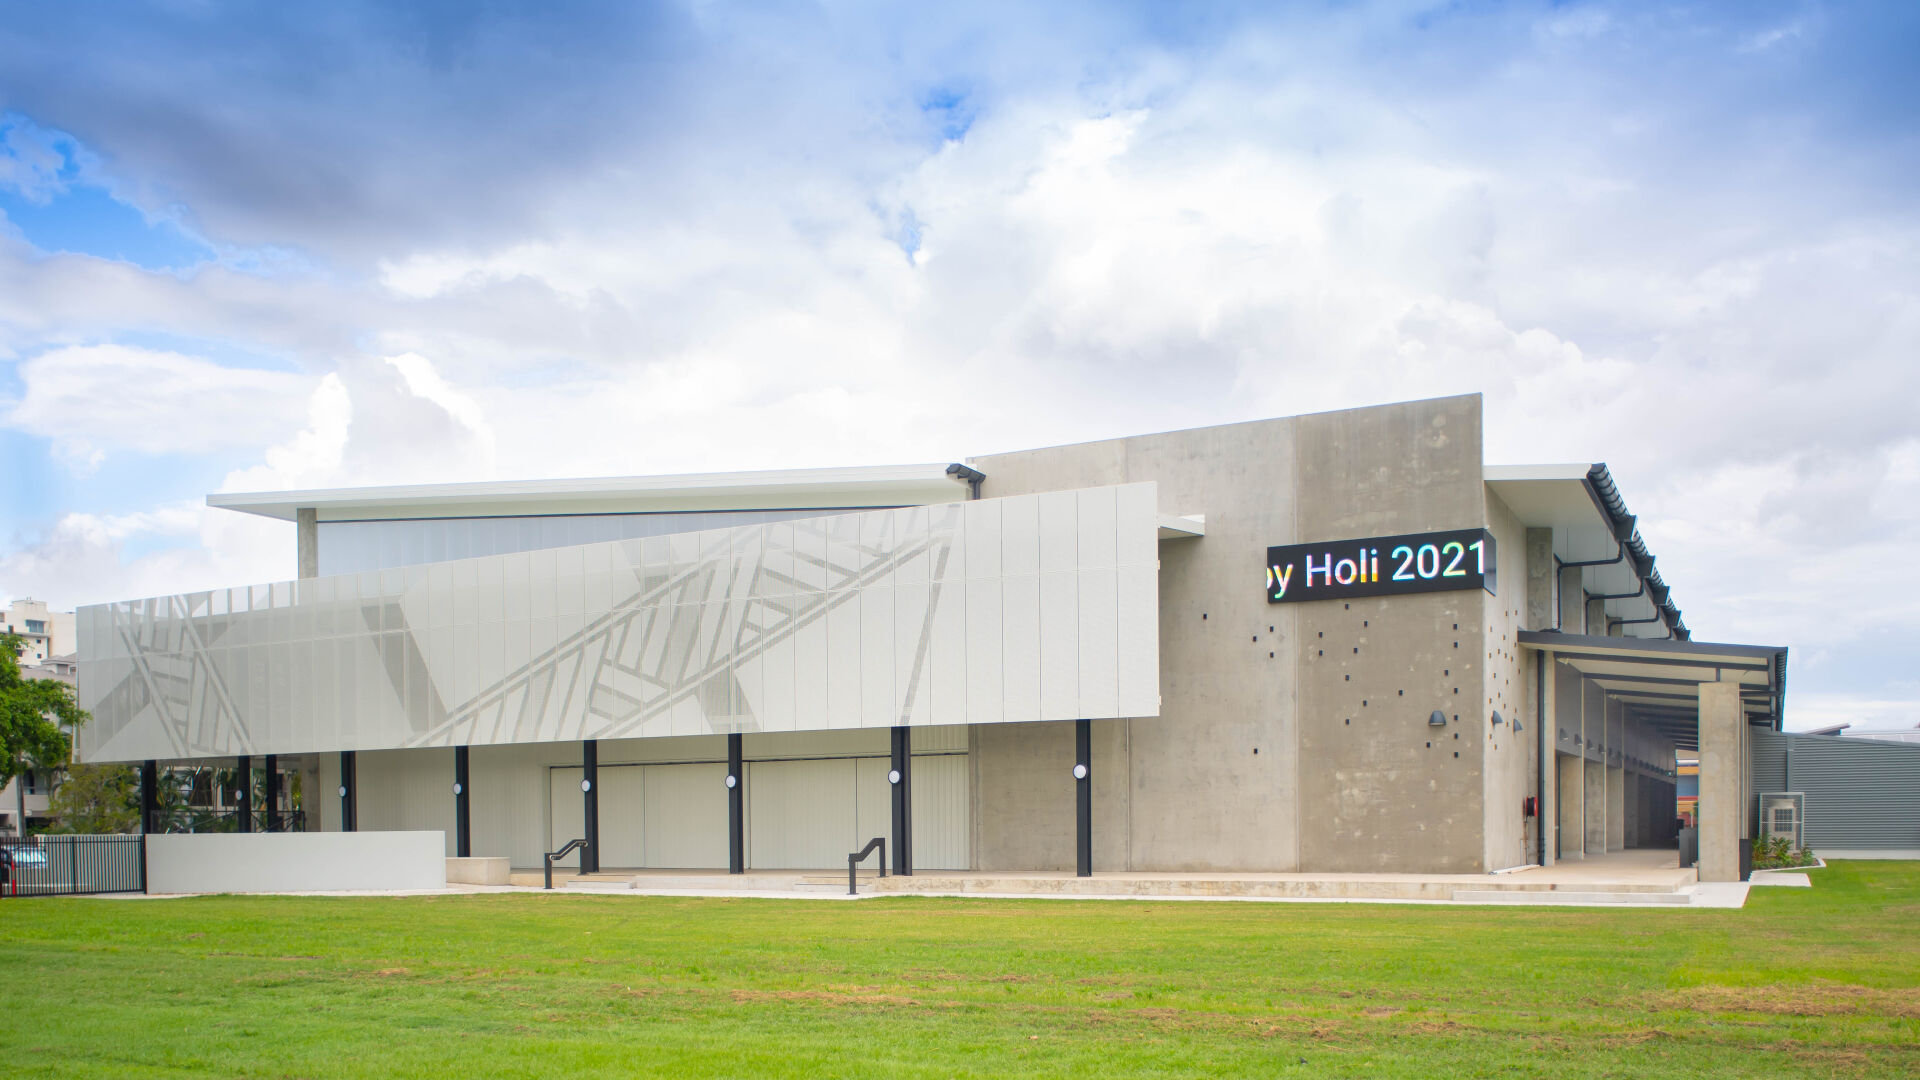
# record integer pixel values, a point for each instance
(1783, 813)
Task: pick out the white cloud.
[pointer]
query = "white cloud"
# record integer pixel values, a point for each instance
(31, 161)
(79, 457)
(425, 383)
(117, 397)
(311, 458)
(1286, 219)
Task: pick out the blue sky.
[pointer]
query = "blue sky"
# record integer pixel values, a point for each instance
(255, 246)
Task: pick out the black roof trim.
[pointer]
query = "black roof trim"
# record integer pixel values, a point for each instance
(1627, 532)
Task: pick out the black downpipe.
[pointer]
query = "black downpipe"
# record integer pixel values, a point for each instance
(901, 780)
(1540, 766)
(736, 804)
(1083, 792)
(590, 804)
(462, 805)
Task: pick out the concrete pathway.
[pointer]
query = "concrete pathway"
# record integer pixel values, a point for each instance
(1642, 879)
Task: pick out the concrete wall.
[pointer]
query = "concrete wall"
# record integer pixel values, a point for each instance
(1725, 771)
(1595, 778)
(1542, 583)
(1185, 790)
(1616, 809)
(1289, 736)
(1385, 792)
(1508, 775)
(1572, 797)
(1568, 728)
(295, 862)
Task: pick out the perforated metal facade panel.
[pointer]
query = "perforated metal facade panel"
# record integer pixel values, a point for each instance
(1032, 607)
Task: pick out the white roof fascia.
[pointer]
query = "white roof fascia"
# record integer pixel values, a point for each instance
(866, 486)
(1567, 471)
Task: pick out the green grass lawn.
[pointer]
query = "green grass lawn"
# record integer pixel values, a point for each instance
(1802, 982)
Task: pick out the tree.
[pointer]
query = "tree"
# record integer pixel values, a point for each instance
(95, 800)
(37, 717)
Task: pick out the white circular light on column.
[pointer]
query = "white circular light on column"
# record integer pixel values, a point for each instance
(586, 785)
(732, 780)
(343, 791)
(1079, 772)
(456, 789)
(893, 776)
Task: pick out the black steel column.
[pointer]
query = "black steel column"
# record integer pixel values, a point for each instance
(590, 804)
(901, 779)
(273, 793)
(1543, 759)
(349, 793)
(1083, 792)
(149, 795)
(462, 807)
(243, 770)
(736, 804)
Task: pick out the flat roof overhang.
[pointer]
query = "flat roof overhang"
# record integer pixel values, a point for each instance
(1657, 680)
(1593, 531)
(780, 489)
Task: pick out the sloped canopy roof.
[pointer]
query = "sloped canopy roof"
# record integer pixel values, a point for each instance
(1658, 680)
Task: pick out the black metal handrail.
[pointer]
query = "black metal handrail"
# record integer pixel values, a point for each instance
(854, 860)
(565, 850)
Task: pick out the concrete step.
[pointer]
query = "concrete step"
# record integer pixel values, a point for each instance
(715, 881)
(602, 883)
(1568, 896)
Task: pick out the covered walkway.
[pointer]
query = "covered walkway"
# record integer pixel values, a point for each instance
(1616, 712)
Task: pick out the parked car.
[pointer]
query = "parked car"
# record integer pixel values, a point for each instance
(16, 861)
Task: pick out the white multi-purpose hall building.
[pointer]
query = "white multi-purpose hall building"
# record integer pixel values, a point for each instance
(1329, 642)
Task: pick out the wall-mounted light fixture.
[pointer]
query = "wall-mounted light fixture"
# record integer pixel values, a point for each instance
(1497, 718)
(1437, 719)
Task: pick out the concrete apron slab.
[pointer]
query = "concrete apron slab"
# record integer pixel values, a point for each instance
(1637, 878)
(1643, 878)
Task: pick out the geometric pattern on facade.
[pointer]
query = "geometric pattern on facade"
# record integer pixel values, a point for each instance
(1028, 608)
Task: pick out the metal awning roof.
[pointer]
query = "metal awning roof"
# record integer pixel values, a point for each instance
(1658, 680)
(1593, 531)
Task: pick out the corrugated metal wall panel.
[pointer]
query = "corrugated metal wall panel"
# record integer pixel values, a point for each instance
(946, 737)
(800, 814)
(406, 789)
(509, 799)
(763, 746)
(872, 806)
(686, 816)
(940, 812)
(1769, 761)
(566, 816)
(1859, 795)
(623, 801)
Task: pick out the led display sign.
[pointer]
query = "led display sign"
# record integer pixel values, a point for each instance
(1381, 566)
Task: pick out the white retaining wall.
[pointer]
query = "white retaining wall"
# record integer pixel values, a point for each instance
(295, 862)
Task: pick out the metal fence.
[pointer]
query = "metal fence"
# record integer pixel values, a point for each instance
(73, 865)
